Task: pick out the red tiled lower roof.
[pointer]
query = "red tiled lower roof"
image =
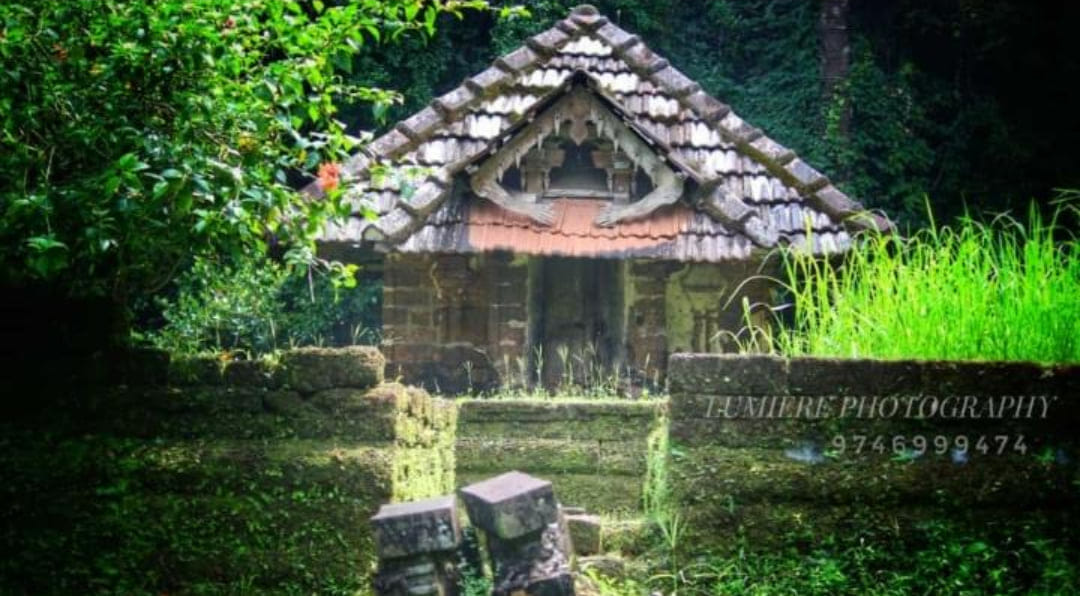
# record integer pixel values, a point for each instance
(573, 232)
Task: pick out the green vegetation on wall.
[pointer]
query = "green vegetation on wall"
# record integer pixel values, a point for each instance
(238, 481)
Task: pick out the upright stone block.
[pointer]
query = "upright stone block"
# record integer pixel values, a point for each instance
(313, 369)
(511, 505)
(584, 532)
(417, 548)
(527, 538)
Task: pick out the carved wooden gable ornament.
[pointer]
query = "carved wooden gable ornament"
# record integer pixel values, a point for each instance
(584, 122)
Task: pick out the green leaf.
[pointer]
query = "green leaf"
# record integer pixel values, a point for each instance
(430, 14)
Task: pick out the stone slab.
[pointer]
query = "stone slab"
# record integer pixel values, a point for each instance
(511, 505)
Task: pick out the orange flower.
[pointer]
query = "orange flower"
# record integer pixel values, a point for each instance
(329, 176)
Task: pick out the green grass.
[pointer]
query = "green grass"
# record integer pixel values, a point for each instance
(946, 558)
(1002, 290)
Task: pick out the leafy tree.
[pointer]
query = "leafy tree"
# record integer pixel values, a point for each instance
(138, 134)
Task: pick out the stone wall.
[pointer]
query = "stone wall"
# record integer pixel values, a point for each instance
(595, 453)
(454, 322)
(757, 452)
(198, 476)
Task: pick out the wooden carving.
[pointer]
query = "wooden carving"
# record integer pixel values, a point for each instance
(579, 108)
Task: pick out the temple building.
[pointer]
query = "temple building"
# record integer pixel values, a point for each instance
(579, 208)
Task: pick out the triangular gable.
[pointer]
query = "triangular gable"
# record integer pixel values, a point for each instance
(747, 183)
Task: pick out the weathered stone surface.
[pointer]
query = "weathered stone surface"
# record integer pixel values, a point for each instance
(836, 203)
(616, 37)
(827, 376)
(537, 564)
(453, 103)
(772, 151)
(286, 403)
(518, 61)
(608, 565)
(313, 369)
(424, 199)
(643, 60)
(390, 145)
(422, 124)
(588, 17)
(396, 225)
(728, 374)
(251, 373)
(511, 505)
(804, 175)
(584, 533)
(568, 26)
(675, 82)
(195, 370)
(628, 536)
(417, 547)
(488, 81)
(727, 208)
(548, 41)
(706, 106)
(404, 529)
(358, 162)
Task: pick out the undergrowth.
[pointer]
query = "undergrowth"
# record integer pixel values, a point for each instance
(573, 375)
(945, 559)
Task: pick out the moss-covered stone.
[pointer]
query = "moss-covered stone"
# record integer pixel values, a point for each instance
(195, 370)
(248, 489)
(728, 374)
(252, 373)
(715, 477)
(314, 369)
(593, 452)
(596, 493)
(626, 536)
(604, 429)
(538, 411)
(546, 456)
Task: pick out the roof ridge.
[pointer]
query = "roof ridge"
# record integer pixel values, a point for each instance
(537, 51)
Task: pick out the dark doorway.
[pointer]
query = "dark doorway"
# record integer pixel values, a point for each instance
(579, 331)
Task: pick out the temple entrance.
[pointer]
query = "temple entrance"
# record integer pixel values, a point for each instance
(578, 334)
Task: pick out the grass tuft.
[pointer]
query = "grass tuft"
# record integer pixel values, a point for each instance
(1003, 290)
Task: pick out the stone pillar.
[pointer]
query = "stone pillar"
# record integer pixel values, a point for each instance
(527, 538)
(417, 548)
(646, 333)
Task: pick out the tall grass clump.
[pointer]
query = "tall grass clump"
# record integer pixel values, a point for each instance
(1002, 290)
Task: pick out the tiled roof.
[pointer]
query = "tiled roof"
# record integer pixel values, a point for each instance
(749, 192)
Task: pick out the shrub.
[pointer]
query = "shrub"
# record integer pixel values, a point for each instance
(254, 307)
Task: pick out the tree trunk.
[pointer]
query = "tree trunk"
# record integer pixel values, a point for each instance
(835, 60)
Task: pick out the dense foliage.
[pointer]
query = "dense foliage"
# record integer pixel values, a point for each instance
(136, 134)
(257, 307)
